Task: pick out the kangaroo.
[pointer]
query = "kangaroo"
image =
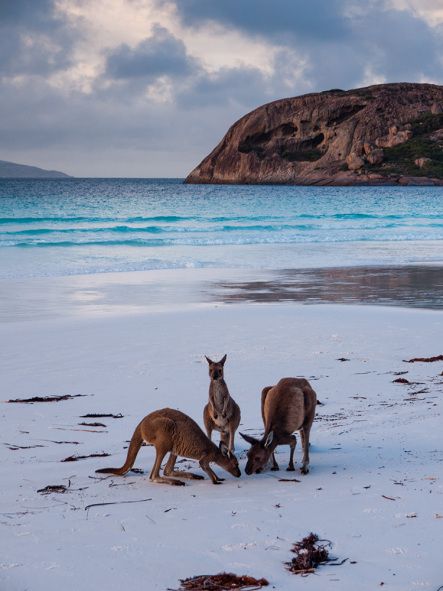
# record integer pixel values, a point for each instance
(221, 413)
(286, 407)
(172, 431)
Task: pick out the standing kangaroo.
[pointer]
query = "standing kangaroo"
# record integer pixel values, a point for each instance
(221, 413)
(172, 431)
(286, 407)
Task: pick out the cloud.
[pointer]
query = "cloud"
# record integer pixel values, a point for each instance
(147, 88)
(298, 19)
(160, 54)
(34, 38)
(339, 40)
(400, 45)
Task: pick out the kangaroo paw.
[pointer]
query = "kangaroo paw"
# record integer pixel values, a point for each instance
(275, 468)
(290, 468)
(177, 482)
(304, 469)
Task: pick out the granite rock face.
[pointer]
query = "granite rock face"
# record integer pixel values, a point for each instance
(332, 138)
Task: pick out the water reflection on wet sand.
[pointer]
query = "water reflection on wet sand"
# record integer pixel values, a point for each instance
(408, 286)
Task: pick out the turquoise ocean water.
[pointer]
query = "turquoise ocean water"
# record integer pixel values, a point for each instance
(63, 227)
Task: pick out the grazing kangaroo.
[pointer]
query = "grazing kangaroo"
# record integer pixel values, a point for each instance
(172, 431)
(221, 413)
(286, 407)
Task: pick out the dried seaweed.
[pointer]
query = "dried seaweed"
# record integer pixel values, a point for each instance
(116, 503)
(288, 480)
(343, 359)
(425, 359)
(309, 554)
(94, 415)
(76, 458)
(221, 582)
(14, 447)
(63, 442)
(401, 381)
(45, 398)
(53, 488)
(84, 424)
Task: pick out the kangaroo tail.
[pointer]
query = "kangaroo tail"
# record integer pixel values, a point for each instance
(134, 447)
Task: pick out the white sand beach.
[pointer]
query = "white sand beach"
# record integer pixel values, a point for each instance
(375, 489)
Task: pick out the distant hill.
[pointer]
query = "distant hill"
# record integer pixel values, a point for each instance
(11, 170)
(381, 135)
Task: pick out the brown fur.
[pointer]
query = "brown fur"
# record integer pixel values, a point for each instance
(172, 431)
(286, 407)
(221, 413)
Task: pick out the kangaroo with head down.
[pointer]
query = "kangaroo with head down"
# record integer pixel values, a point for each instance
(286, 407)
(171, 431)
(221, 413)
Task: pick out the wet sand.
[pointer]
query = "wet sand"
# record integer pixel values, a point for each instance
(408, 286)
(140, 291)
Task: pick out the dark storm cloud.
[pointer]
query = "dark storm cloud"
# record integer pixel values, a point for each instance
(315, 19)
(399, 46)
(340, 40)
(33, 38)
(160, 54)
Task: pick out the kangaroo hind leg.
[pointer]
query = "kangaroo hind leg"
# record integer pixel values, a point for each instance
(169, 470)
(161, 435)
(304, 434)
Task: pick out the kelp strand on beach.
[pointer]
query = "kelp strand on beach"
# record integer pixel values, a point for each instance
(309, 554)
(53, 488)
(425, 359)
(45, 398)
(101, 416)
(76, 458)
(221, 582)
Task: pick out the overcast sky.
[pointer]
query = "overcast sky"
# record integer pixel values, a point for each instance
(148, 87)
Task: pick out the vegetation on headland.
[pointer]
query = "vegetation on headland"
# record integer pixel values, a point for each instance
(401, 159)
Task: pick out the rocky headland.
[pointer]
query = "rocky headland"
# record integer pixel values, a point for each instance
(384, 134)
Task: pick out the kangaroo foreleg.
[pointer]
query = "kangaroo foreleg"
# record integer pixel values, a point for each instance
(275, 466)
(204, 465)
(291, 441)
(169, 470)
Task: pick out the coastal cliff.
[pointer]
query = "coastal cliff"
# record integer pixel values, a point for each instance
(384, 134)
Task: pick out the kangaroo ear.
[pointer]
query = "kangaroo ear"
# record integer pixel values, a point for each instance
(209, 360)
(249, 439)
(223, 359)
(267, 442)
(223, 448)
